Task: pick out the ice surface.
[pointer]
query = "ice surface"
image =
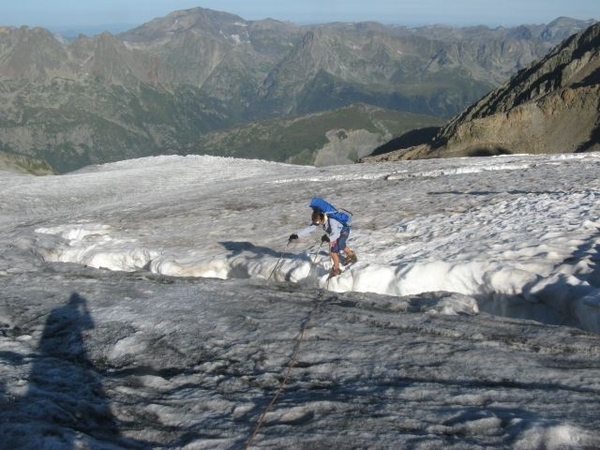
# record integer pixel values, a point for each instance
(155, 303)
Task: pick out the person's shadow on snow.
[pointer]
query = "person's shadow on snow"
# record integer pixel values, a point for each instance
(254, 252)
(65, 405)
(258, 252)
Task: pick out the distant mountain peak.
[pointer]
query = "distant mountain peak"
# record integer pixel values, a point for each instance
(202, 20)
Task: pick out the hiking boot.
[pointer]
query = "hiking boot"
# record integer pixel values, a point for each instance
(334, 272)
(350, 259)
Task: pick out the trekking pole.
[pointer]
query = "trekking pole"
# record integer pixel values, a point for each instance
(317, 254)
(313, 262)
(278, 261)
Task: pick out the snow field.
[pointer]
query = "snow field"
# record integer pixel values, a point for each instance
(514, 233)
(192, 362)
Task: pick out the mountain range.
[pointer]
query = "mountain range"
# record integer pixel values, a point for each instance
(203, 81)
(553, 106)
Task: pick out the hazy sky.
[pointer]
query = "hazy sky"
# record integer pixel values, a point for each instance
(405, 12)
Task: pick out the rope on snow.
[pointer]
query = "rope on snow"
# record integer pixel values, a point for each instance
(291, 364)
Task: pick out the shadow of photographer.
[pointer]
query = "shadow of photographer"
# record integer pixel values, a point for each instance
(65, 405)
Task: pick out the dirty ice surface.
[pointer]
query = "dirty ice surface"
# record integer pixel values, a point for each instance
(155, 303)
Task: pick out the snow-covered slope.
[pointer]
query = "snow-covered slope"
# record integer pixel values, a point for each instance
(510, 231)
(156, 303)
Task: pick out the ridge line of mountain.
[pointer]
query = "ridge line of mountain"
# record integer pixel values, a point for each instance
(552, 106)
(167, 86)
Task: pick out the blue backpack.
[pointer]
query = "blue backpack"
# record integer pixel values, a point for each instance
(342, 215)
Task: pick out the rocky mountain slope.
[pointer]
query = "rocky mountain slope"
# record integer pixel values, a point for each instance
(550, 107)
(23, 164)
(162, 87)
(339, 136)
